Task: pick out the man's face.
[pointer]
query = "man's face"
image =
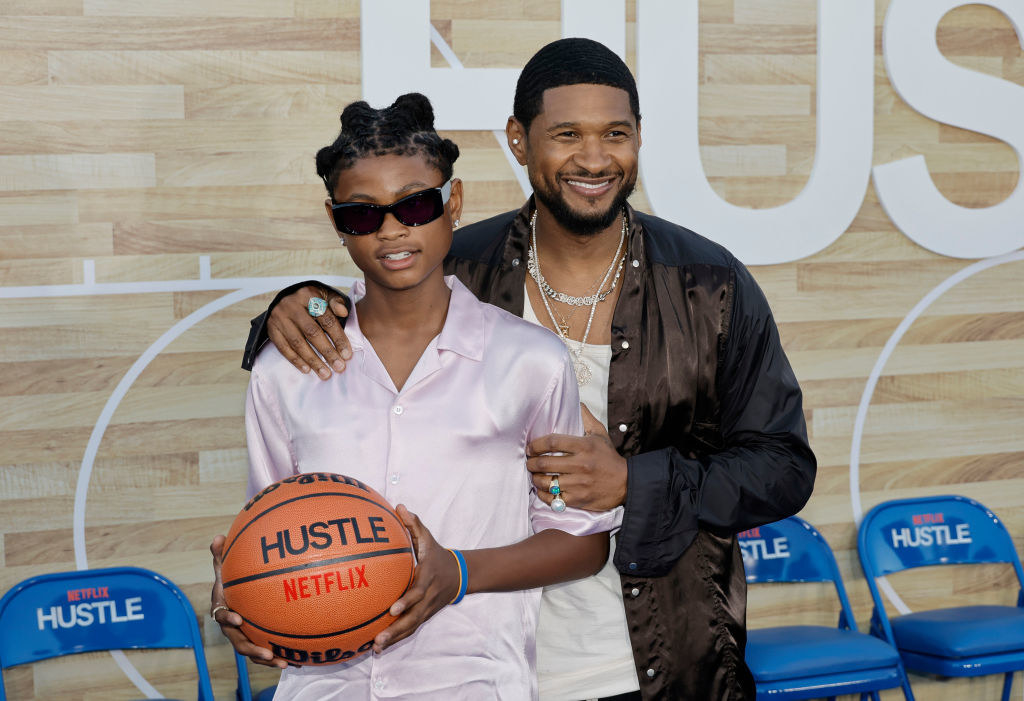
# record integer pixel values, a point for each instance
(581, 155)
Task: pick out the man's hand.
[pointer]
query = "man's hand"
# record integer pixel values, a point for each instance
(591, 474)
(296, 333)
(433, 587)
(230, 621)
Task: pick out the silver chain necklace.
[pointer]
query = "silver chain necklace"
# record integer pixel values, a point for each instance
(582, 370)
(533, 266)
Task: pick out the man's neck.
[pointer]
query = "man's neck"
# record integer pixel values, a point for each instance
(573, 251)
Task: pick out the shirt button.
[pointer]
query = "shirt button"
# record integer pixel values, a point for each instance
(394, 478)
(380, 684)
(636, 263)
(650, 672)
(634, 592)
(625, 345)
(515, 262)
(398, 409)
(632, 565)
(622, 428)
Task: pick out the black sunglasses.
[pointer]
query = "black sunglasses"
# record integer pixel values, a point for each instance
(417, 209)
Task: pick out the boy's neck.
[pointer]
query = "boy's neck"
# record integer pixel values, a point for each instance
(399, 324)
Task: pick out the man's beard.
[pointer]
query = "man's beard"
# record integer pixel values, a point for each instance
(583, 224)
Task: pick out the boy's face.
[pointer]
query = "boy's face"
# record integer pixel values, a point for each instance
(397, 256)
(582, 154)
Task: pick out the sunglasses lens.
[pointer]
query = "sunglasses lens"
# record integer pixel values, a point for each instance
(358, 220)
(420, 209)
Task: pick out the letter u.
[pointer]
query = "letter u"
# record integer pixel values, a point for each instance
(288, 542)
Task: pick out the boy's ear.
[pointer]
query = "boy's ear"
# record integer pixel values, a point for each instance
(455, 200)
(330, 217)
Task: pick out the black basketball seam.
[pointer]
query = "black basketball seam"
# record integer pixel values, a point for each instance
(234, 540)
(320, 635)
(315, 563)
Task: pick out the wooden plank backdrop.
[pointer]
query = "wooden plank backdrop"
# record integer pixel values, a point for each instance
(141, 135)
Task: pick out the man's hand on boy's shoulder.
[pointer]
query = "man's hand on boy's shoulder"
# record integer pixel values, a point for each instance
(299, 336)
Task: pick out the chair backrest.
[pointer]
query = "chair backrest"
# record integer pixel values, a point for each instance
(88, 610)
(943, 530)
(792, 550)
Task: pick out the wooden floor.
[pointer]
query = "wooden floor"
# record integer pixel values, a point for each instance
(142, 135)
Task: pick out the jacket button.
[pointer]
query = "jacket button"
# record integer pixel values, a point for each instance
(625, 345)
(623, 428)
(634, 592)
(632, 565)
(636, 263)
(650, 672)
(515, 262)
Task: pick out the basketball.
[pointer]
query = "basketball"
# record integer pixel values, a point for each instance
(312, 564)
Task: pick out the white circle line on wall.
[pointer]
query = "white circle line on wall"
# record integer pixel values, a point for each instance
(876, 372)
(133, 373)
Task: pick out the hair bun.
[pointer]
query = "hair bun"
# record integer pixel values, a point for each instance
(359, 118)
(414, 109)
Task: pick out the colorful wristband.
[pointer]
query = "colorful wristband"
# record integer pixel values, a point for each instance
(463, 576)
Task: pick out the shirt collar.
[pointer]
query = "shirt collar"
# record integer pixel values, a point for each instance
(463, 330)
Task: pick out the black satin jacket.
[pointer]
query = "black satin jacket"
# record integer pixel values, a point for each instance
(706, 409)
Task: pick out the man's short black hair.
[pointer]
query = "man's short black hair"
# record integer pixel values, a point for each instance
(571, 61)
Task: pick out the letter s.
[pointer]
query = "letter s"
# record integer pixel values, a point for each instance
(945, 92)
(85, 616)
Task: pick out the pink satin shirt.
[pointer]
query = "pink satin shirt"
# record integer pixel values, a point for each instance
(451, 447)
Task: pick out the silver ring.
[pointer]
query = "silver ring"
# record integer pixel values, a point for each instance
(316, 306)
(558, 504)
(216, 609)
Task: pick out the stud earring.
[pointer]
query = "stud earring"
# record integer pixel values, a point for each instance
(515, 142)
(455, 224)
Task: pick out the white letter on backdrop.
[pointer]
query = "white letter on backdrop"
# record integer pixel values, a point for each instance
(395, 41)
(674, 179)
(943, 91)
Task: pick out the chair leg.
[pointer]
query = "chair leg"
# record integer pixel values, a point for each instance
(1007, 685)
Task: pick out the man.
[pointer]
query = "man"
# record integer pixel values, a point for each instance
(675, 349)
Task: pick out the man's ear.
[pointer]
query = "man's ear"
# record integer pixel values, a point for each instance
(516, 135)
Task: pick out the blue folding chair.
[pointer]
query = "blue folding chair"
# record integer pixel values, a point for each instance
(805, 661)
(963, 641)
(107, 609)
(243, 691)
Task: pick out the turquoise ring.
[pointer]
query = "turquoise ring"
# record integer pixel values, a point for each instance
(316, 306)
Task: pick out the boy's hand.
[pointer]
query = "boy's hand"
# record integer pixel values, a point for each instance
(230, 621)
(433, 587)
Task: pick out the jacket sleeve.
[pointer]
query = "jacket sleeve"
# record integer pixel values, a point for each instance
(258, 325)
(764, 470)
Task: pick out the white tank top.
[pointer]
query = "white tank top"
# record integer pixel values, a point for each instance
(583, 648)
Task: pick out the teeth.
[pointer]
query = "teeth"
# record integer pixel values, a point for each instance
(398, 256)
(588, 186)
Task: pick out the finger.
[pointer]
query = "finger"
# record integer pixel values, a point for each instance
(337, 305)
(246, 648)
(217, 549)
(297, 334)
(555, 443)
(402, 628)
(421, 538)
(558, 464)
(313, 332)
(590, 423)
(340, 349)
(413, 595)
(279, 340)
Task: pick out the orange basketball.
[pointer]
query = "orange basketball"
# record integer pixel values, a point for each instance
(312, 564)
